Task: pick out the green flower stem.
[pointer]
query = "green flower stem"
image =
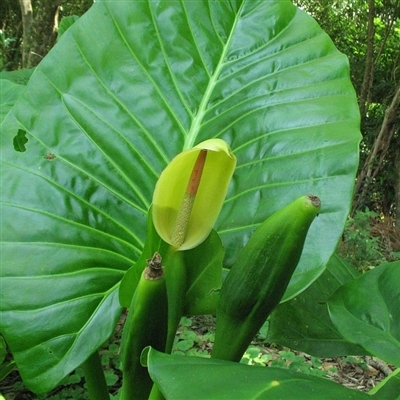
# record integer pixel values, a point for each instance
(95, 379)
(175, 278)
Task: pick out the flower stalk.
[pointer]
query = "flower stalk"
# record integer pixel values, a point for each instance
(182, 219)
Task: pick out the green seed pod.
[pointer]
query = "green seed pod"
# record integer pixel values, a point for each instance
(146, 325)
(257, 281)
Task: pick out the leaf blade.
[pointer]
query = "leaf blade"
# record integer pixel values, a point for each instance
(303, 323)
(203, 378)
(366, 311)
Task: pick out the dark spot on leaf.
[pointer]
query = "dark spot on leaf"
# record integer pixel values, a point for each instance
(20, 141)
(50, 156)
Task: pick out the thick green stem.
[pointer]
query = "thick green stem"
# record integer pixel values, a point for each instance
(145, 325)
(95, 379)
(175, 276)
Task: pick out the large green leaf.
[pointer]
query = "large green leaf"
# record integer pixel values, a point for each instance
(303, 323)
(127, 87)
(66, 23)
(366, 311)
(208, 379)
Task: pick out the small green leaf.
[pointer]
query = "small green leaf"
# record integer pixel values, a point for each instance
(189, 335)
(388, 389)
(366, 311)
(6, 368)
(184, 345)
(12, 85)
(111, 378)
(186, 321)
(3, 349)
(20, 77)
(66, 23)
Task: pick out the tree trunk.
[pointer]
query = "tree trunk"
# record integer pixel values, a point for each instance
(40, 30)
(27, 19)
(397, 190)
(374, 161)
(369, 63)
(44, 30)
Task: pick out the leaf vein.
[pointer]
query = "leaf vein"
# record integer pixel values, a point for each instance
(150, 78)
(110, 158)
(73, 223)
(81, 199)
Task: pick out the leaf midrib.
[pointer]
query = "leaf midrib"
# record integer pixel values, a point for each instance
(198, 118)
